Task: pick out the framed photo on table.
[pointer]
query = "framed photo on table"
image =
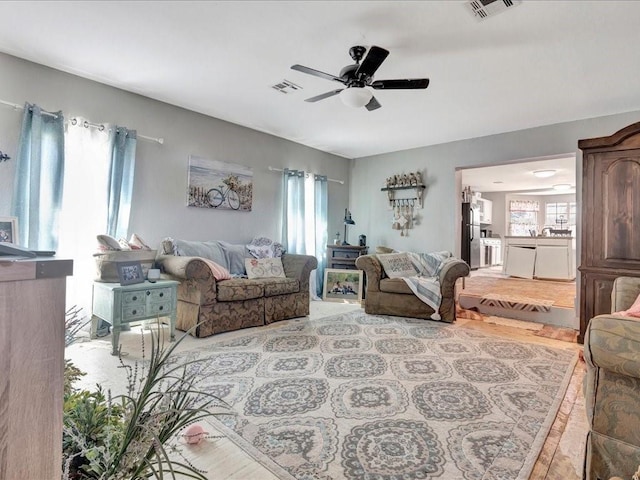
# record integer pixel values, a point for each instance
(9, 229)
(130, 273)
(342, 285)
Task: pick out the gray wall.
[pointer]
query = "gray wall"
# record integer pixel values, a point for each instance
(159, 202)
(439, 228)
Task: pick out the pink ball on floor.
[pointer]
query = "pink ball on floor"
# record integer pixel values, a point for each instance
(194, 434)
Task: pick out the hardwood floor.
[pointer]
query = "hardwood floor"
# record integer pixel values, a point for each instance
(561, 456)
(561, 293)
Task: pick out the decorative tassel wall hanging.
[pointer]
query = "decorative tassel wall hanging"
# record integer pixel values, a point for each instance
(405, 208)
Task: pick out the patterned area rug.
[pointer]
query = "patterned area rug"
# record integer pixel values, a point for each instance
(355, 396)
(516, 302)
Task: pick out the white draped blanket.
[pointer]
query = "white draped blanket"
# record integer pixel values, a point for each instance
(426, 284)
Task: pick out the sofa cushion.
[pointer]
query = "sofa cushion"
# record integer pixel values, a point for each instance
(394, 285)
(239, 289)
(279, 286)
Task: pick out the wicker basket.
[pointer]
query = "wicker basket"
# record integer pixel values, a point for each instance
(106, 263)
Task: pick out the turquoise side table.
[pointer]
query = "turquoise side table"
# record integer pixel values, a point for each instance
(123, 304)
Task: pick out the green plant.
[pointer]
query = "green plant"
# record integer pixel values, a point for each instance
(135, 435)
(73, 323)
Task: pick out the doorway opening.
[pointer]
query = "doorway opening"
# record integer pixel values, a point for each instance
(520, 239)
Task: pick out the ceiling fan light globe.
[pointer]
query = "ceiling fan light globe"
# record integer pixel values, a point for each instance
(356, 96)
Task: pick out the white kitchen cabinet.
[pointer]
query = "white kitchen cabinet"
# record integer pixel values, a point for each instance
(486, 210)
(550, 258)
(553, 262)
(520, 261)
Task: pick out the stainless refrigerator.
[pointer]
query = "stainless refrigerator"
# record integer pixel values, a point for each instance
(471, 235)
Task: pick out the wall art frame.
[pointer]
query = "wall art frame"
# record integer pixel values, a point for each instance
(342, 285)
(130, 273)
(219, 185)
(9, 230)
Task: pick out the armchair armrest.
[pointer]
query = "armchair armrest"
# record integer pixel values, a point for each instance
(373, 270)
(612, 343)
(624, 293)
(451, 271)
(299, 267)
(185, 268)
(194, 274)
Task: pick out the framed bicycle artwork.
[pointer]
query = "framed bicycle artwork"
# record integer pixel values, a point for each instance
(219, 185)
(342, 285)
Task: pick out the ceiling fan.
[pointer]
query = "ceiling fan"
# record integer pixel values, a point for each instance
(360, 75)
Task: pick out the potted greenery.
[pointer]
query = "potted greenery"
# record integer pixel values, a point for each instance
(135, 435)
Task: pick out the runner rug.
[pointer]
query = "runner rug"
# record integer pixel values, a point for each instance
(355, 396)
(516, 302)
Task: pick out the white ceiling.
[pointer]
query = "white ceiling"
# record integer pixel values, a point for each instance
(519, 177)
(541, 62)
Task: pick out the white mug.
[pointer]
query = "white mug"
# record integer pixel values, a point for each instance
(153, 275)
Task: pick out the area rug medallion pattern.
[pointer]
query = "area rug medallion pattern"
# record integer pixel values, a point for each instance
(357, 396)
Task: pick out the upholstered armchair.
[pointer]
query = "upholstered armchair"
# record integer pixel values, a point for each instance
(392, 296)
(612, 388)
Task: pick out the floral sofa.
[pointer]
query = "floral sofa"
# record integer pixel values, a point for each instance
(611, 385)
(213, 302)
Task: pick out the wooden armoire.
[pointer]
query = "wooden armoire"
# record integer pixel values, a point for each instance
(610, 229)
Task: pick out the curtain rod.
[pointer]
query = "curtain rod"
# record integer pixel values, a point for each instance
(274, 169)
(15, 106)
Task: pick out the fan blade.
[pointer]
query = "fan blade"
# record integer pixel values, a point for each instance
(324, 95)
(373, 104)
(317, 73)
(400, 84)
(372, 61)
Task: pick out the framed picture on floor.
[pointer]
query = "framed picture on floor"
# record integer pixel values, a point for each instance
(342, 285)
(9, 229)
(130, 273)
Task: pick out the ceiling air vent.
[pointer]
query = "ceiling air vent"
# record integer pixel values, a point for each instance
(482, 9)
(285, 86)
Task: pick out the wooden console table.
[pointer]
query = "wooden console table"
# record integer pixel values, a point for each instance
(344, 256)
(32, 316)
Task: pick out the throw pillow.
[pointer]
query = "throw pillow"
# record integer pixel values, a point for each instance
(107, 243)
(263, 247)
(136, 243)
(397, 265)
(264, 267)
(632, 311)
(218, 271)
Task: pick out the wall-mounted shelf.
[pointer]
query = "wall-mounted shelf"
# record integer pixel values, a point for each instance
(394, 202)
